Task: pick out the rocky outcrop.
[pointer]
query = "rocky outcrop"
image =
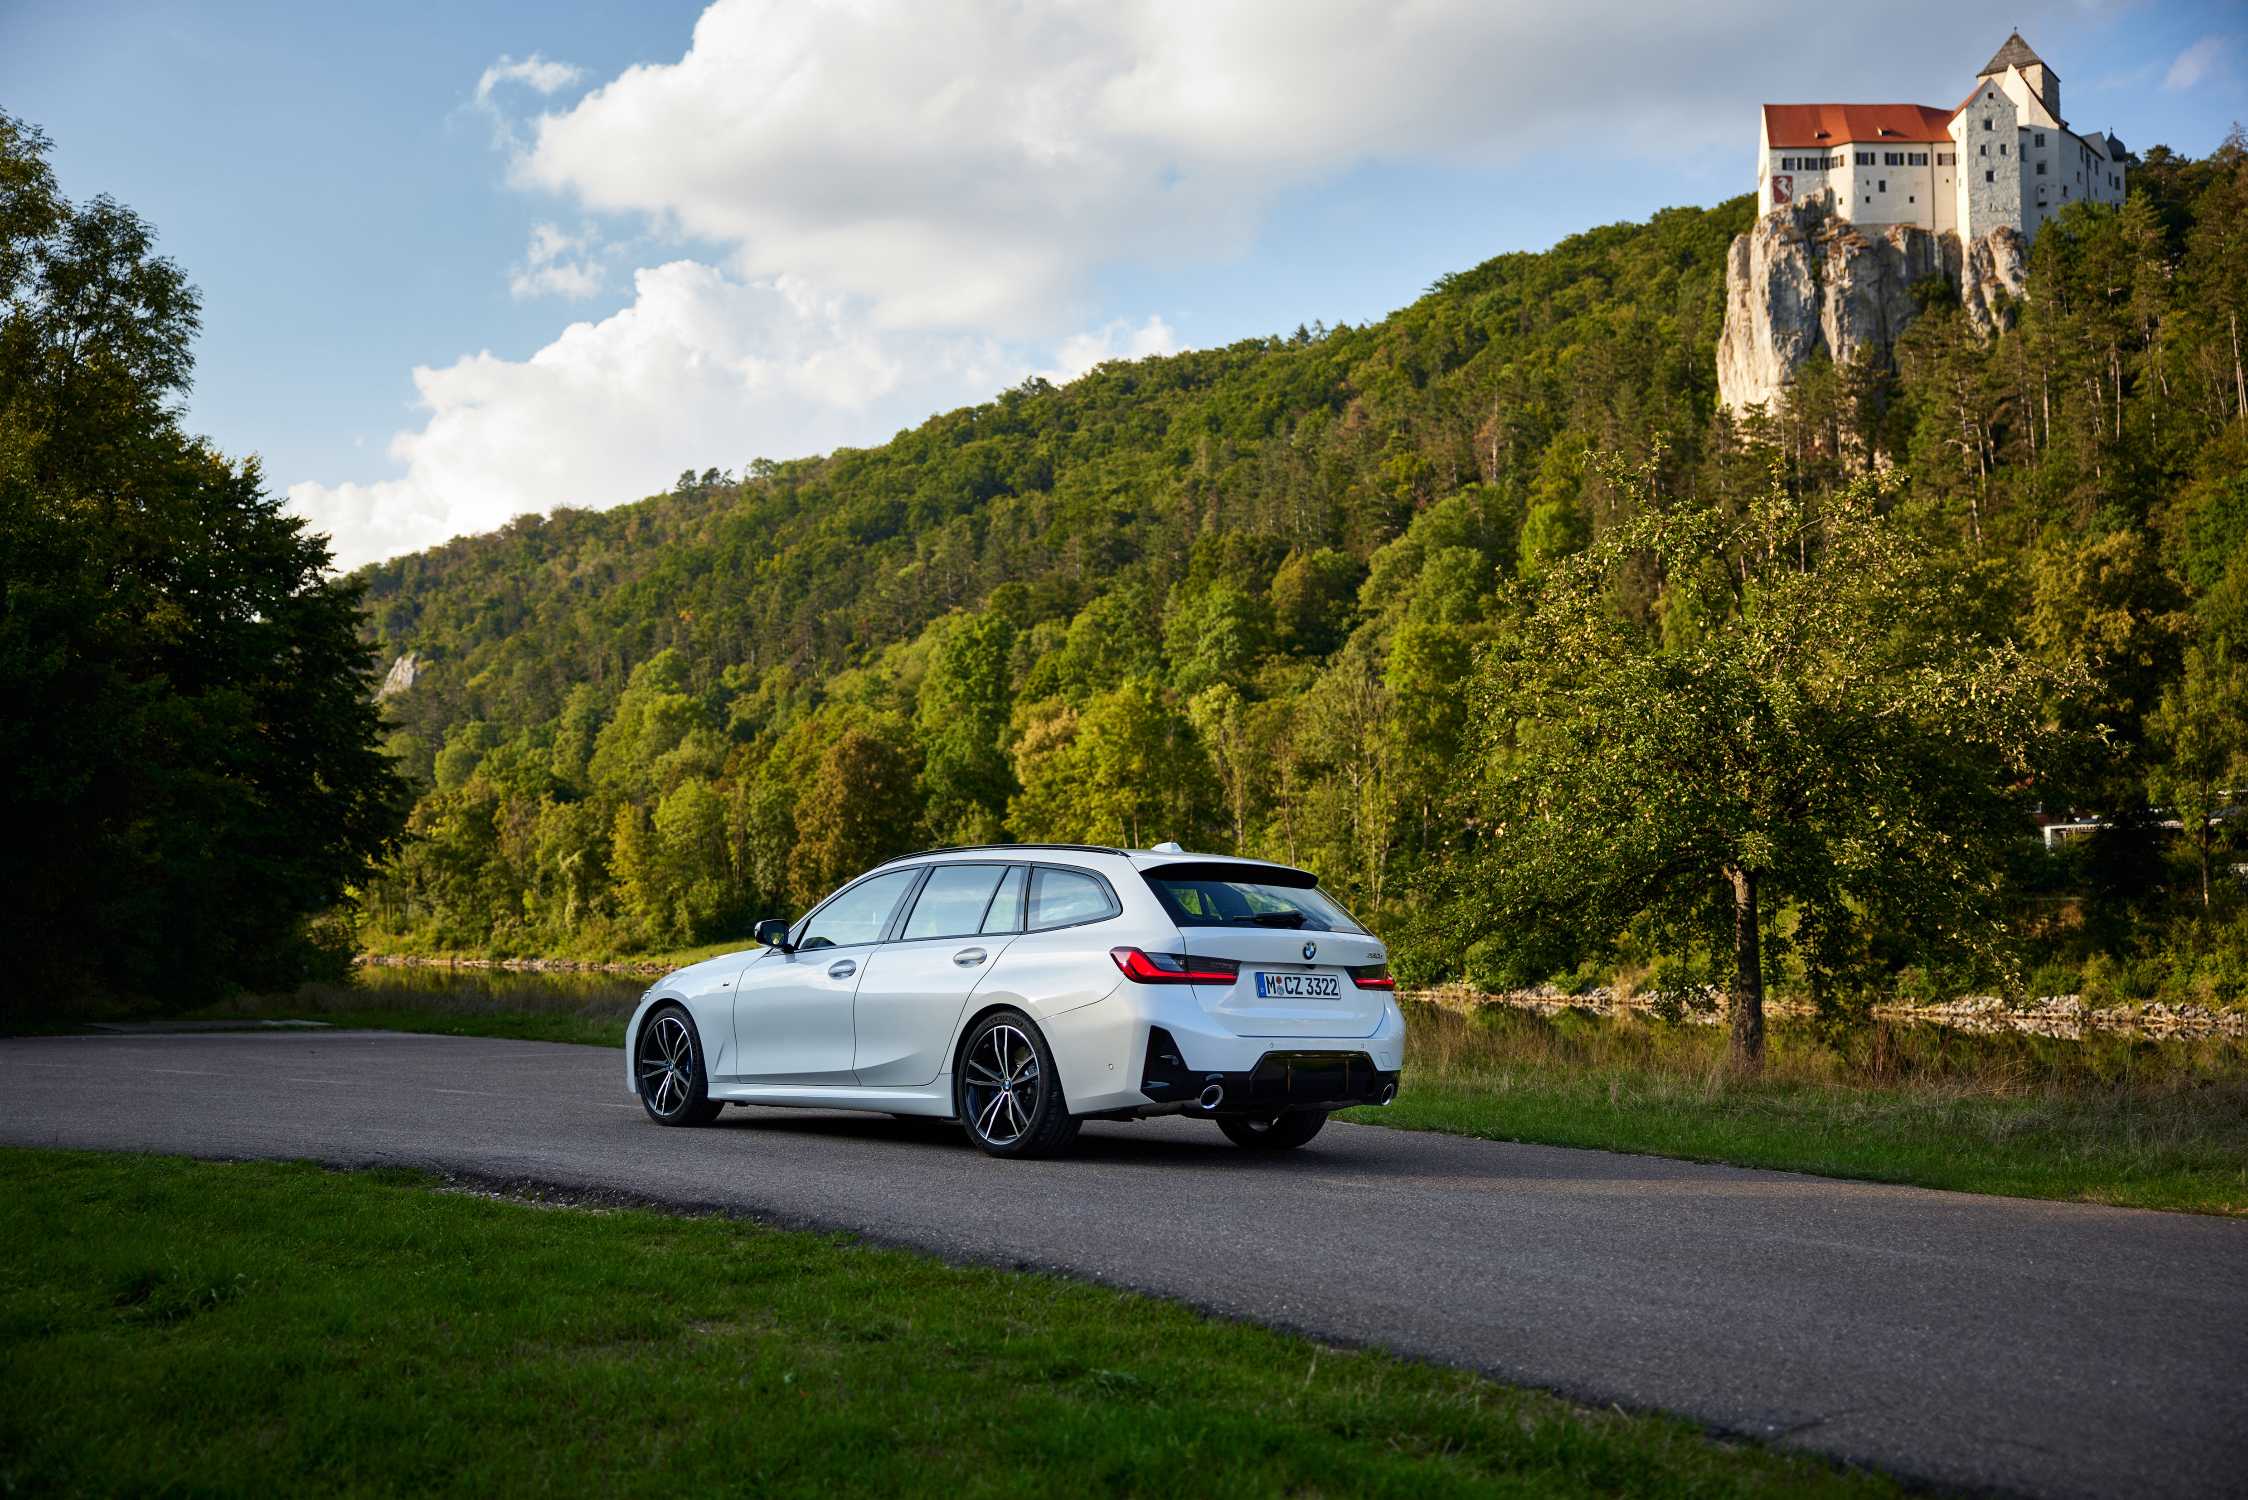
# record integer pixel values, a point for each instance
(1805, 281)
(1996, 267)
(404, 672)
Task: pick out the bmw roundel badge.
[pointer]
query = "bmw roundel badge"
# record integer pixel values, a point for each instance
(1311, 951)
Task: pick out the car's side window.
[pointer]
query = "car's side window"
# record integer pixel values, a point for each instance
(952, 903)
(1006, 911)
(859, 914)
(1061, 897)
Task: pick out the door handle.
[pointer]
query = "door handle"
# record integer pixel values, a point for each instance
(968, 958)
(842, 968)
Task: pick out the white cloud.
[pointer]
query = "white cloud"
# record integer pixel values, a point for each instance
(1118, 340)
(700, 369)
(541, 75)
(557, 264)
(2195, 63)
(961, 163)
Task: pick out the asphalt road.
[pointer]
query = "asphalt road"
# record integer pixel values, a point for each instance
(1987, 1342)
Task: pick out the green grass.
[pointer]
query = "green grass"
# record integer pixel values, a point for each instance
(544, 1007)
(171, 1326)
(2134, 1122)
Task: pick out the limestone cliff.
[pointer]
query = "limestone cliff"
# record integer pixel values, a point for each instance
(1804, 280)
(404, 672)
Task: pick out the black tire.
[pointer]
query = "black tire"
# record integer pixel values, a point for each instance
(667, 1065)
(1002, 1060)
(1281, 1132)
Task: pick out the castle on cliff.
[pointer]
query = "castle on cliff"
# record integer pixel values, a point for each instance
(2005, 156)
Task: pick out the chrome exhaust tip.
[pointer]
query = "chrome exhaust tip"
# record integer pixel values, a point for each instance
(1389, 1092)
(1212, 1097)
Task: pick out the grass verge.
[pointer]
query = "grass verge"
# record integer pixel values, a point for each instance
(2129, 1121)
(559, 1007)
(173, 1326)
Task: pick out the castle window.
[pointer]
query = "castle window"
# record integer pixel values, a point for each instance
(1986, 122)
(2041, 169)
(2041, 137)
(1990, 177)
(1892, 158)
(1787, 163)
(2001, 148)
(1865, 158)
(1920, 158)
(1982, 150)
(1947, 158)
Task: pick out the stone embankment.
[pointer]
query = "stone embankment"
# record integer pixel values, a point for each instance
(1806, 281)
(2062, 1016)
(651, 967)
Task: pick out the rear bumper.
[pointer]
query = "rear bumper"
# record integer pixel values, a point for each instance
(1281, 1078)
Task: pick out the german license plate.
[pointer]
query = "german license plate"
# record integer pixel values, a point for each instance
(1298, 986)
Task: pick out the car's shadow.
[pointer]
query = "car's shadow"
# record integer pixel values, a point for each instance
(1101, 1140)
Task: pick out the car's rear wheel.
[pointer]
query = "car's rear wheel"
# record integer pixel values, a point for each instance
(1009, 1096)
(1276, 1132)
(668, 1067)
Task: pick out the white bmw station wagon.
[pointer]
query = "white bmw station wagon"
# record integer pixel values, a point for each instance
(1023, 989)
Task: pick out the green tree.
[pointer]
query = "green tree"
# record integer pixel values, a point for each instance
(191, 743)
(857, 810)
(961, 717)
(2200, 733)
(1812, 731)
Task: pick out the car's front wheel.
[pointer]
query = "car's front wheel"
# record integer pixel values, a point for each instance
(1280, 1132)
(668, 1065)
(1009, 1096)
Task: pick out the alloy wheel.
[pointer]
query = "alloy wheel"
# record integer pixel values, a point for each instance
(666, 1065)
(1004, 1085)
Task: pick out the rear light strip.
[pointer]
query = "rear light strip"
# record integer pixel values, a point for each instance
(1173, 968)
(1373, 977)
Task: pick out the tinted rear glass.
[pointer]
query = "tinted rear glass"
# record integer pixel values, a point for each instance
(1208, 900)
(1060, 897)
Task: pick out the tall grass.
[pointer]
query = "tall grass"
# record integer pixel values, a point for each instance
(2111, 1118)
(550, 1007)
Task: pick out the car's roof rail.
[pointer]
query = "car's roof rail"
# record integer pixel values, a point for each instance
(1001, 849)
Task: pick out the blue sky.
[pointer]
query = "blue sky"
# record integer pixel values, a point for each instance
(805, 224)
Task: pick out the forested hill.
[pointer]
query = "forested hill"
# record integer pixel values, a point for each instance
(1333, 439)
(1235, 596)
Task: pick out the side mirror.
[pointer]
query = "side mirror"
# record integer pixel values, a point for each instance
(773, 933)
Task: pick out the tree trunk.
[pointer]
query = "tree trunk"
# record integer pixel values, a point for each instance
(2239, 380)
(1747, 1001)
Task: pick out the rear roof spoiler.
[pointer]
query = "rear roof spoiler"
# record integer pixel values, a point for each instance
(1255, 870)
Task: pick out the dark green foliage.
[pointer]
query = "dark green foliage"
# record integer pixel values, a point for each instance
(1804, 719)
(189, 742)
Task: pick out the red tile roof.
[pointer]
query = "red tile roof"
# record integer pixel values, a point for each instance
(1792, 126)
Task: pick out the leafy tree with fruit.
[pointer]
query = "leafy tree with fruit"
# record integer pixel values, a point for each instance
(1800, 745)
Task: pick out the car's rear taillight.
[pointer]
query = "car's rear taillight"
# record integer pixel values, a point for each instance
(1173, 968)
(1372, 977)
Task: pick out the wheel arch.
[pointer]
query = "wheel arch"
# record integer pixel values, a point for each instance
(638, 1025)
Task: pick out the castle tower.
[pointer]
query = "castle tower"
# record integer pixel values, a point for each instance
(2026, 78)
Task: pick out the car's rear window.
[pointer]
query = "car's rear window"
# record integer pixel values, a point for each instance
(1063, 898)
(1208, 896)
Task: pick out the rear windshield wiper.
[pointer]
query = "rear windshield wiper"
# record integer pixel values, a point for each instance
(1278, 919)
